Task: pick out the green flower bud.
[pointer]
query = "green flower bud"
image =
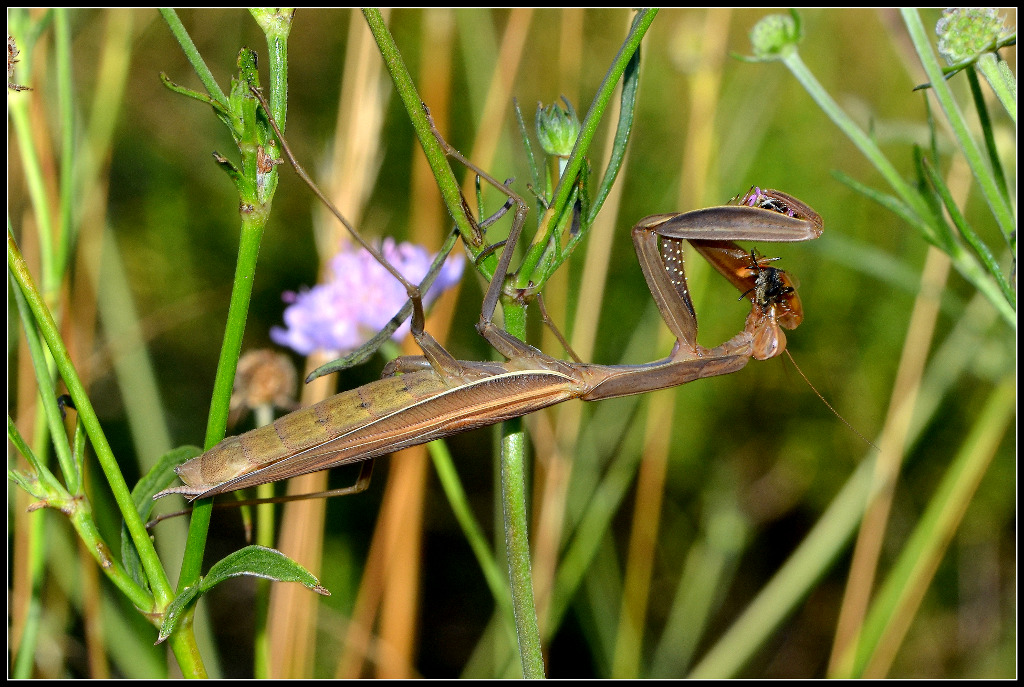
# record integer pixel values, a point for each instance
(966, 32)
(775, 36)
(557, 128)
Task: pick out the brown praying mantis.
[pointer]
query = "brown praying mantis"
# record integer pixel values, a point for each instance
(422, 398)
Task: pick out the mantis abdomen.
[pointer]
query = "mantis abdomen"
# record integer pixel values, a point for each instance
(375, 419)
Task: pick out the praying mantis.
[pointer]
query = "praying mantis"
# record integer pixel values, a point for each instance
(422, 398)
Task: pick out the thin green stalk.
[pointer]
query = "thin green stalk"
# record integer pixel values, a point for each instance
(277, 24)
(47, 403)
(517, 544)
(256, 198)
(26, 650)
(264, 414)
(474, 534)
(864, 143)
(987, 130)
(532, 273)
(17, 110)
(710, 568)
(44, 476)
(790, 584)
(183, 645)
(238, 308)
(85, 525)
(35, 559)
(133, 368)
(64, 236)
(979, 246)
(406, 89)
(837, 524)
(24, 661)
(976, 161)
(588, 128)
(513, 458)
(256, 186)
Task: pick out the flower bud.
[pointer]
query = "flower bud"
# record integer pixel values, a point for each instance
(557, 128)
(775, 36)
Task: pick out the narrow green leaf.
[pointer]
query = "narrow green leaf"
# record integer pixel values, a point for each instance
(257, 561)
(630, 83)
(530, 159)
(889, 202)
(260, 561)
(972, 238)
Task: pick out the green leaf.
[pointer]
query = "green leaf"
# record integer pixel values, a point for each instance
(630, 83)
(260, 561)
(257, 561)
(972, 238)
(530, 159)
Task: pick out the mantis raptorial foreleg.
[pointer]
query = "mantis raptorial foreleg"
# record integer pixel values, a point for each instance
(762, 216)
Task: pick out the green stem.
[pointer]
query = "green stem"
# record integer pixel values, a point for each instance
(238, 309)
(860, 139)
(277, 24)
(475, 537)
(46, 402)
(104, 454)
(83, 522)
(25, 659)
(988, 131)
(17, 109)
(969, 235)
(256, 188)
(256, 199)
(264, 513)
(64, 237)
(517, 543)
(826, 541)
(513, 453)
(183, 644)
(414, 107)
(588, 128)
(535, 268)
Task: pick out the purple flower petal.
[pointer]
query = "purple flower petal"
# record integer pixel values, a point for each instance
(359, 299)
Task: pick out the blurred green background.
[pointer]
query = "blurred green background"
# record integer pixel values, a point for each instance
(755, 454)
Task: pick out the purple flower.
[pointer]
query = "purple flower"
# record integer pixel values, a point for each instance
(359, 299)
